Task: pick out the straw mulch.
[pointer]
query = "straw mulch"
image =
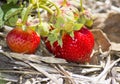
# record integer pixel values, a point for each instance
(43, 68)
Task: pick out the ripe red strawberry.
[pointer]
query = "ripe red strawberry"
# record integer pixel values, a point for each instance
(76, 49)
(23, 41)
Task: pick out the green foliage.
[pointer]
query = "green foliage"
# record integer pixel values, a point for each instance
(89, 22)
(1, 17)
(60, 41)
(43, 1)
(78, 26)
(3, 81)
(12, 21)
(23, 13)
(67, 23)
(82, 19)
(63, 20)
(68, 26)
(71, 34)
(9, 14)
(53, 35)
(85, 20)
(59, 22)
(12, 1)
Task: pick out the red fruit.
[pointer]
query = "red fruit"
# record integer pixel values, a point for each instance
(23, 41)
(77, 49)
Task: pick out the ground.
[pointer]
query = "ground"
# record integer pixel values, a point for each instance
(43, 68)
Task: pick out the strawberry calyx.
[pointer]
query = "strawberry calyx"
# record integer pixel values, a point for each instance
(64, 3)
(68, 21)
(65, 19)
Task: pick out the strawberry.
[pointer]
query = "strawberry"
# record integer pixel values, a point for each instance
(69, 37)
(23, 41)
(77, 49)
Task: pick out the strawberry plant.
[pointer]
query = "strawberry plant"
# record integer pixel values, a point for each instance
(9, 13)
(65, 32)
(24, 38)
(69, 37)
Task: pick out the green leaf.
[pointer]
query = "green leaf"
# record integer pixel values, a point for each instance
(53, 36)
(3, 81)
(43, 1)
(60, 35)
(23, 13)
(12, 1)
(59, 22)
(12, 12)
(12, 21)
(72, 34)
(78, 26)
(82, 20)
(60, 42)
(68, 26)
(7, 7)
(69, 16)
(1, 17)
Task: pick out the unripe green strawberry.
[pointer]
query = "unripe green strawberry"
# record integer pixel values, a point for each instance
(23, 41)
(77, 49)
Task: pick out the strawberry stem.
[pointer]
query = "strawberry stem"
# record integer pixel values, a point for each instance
(46, 8)
(26, 13)
(81, 5)
(32, 1)
(58, 10)
(39, 12)
(65, 2)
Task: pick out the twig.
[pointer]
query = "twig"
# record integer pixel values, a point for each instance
(81, 65)
(35, 66)
(7, 28)
(115, 8)
(107, 68)
(105, 71)
(2, 35)
(19, 72)
(65, 73)
(90, 70)
(112, 7)
(81, 77)
(8, 77)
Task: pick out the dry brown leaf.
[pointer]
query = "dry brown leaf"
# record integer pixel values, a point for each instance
(101, 40)
(102, 46)
(109, 23)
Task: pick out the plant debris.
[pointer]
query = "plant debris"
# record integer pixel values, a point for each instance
(43, 68)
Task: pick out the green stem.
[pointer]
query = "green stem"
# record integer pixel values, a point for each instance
(32, 1)
(25, 17)
(65, 1)
(81, 5)
(58, 10)
(39, 12)
(46, 8)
